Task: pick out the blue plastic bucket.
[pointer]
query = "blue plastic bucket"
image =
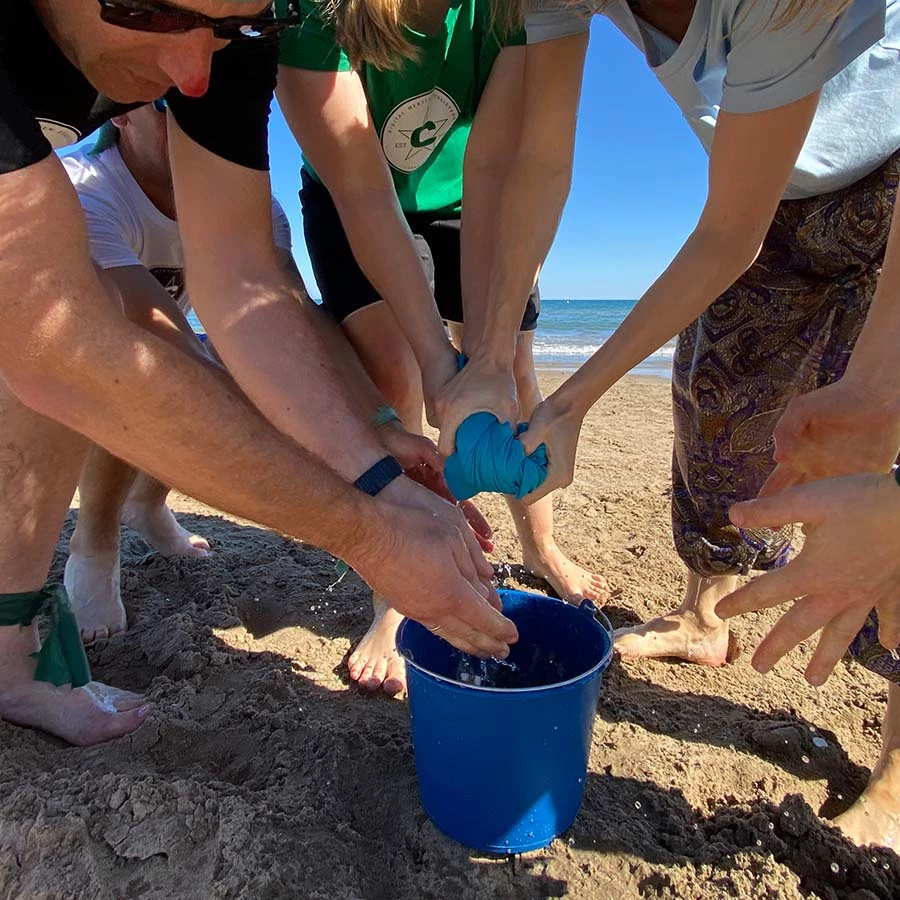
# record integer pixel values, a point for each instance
(502, 769)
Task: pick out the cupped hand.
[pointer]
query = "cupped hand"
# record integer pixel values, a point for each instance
(849, 564)
(428, 566)
(479, 387)
(842, 429)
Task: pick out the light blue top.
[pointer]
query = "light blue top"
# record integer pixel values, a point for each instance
(733, 58)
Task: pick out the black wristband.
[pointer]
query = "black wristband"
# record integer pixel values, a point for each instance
(379, 476)
(897, 474)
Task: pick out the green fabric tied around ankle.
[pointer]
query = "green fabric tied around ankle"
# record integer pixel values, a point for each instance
(61, 659)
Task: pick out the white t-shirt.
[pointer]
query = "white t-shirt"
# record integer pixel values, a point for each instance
(732, 58)
(126, 229)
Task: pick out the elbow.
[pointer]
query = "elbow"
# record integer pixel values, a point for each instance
(735, 250)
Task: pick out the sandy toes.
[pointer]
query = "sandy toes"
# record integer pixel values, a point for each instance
(375, 662)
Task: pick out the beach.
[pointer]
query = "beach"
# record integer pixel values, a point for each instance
(261, 774)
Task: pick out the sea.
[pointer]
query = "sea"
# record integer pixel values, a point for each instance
(570, 331)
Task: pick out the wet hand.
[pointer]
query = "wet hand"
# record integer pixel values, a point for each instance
(428, 566)
(849, 564)
(559, 431)
(479, 387)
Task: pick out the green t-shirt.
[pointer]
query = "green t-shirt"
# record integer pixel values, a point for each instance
(423, 112)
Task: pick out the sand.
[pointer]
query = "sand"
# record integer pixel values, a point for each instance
(262, 774)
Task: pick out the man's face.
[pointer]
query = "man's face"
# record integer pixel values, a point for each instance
(131, 66)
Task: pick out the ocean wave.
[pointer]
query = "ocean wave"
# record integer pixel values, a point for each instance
(551, 348)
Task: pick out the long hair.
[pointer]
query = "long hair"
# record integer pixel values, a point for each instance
(371, 31)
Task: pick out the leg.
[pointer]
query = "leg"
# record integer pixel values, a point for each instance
(875, 817)
(38, 474)
(534, 523)
(146, 512)
(375, 335)
(787, 326)
(92, 570)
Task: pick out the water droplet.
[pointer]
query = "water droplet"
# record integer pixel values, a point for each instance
(758, 842)
(771, 826)
(885, 866)
(637, 804)
(835, 868)
(804, 759)
(786, 814)
(840, 796)
(875, 859)
(819, 742)
(571, 842)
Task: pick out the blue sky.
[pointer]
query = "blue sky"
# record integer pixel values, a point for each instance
(638, 187)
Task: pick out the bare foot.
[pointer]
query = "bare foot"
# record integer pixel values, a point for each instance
(157, 525)
(92, 582)
(693, 633)
(82, 716)
(375, 662)
(875, 817)
(568, 579)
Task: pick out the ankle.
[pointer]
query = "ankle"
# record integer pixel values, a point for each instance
(87, 542)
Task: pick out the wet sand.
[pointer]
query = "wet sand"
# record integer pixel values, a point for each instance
(262, 774)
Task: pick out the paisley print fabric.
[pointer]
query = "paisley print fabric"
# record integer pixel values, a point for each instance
(787, 326)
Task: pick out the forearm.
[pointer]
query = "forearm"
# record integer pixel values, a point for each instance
(518, 237)
(149, 403)
(708, 264)
(297, 369)
(384, 249)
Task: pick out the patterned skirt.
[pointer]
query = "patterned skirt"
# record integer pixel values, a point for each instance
(787, 326)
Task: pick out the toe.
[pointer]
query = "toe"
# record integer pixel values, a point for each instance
(395, 678)
(377, 675)
(354, 666)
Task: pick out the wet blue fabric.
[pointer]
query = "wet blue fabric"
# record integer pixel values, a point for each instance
(488, 457)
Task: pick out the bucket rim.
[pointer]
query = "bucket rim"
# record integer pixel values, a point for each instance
(586, 606)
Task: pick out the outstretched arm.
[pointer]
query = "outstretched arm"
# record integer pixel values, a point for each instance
(532, 182)
(751, 160)
(329, 116)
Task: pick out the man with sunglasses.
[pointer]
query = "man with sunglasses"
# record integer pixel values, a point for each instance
(73, 367)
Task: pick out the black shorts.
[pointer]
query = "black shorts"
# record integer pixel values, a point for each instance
(345, 288)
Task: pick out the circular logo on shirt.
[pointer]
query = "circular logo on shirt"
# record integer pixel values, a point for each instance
(415, 127)
(58, 133)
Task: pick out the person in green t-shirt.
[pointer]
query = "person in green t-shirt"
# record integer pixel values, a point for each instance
(385, 158)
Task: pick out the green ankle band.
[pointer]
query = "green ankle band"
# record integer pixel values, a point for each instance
(61, 659)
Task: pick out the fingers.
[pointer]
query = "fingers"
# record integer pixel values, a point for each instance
(793, 505)
(796, 625)
(480, 626)
(836, 637)
(477, 522)
(768, 590)
(780, 480)
(482, 568)
(447, 437)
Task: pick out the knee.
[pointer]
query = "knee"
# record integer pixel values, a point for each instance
(401, 387)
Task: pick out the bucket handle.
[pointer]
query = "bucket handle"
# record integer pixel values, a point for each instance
(598, 615)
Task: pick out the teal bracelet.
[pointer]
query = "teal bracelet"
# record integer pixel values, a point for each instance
(384, 415)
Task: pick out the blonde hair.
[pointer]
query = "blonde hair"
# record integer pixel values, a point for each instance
(371, 31)
(793, 9)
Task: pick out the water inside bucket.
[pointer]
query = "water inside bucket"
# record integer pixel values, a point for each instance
(533, 667)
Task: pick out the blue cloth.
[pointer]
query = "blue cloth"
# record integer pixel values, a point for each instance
(488, 457)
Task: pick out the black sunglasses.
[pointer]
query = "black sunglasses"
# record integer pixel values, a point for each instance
(163, 18)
